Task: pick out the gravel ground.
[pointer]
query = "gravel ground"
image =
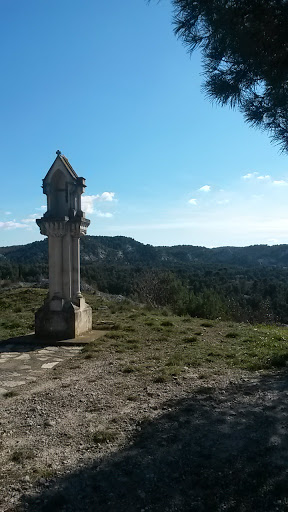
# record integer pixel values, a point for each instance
(90, 437)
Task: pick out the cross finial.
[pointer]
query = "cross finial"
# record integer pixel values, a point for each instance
(58, 153)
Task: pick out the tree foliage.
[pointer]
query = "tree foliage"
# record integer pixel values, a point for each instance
(244, 45)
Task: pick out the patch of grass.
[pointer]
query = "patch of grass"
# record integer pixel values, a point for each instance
(132, 398)
(132, 346)
(276, 361)
(129, 369)
(133, 315)
(157, 328)
(161, 378)
(16, 320)
(44, 472)
(254, 346)
(102, 327)
(131, 340)
(232, 334)
(10, 394)
(90, 355)
(278, 337)
(129, 328)
(19, 456)
(190, 339)
(139, 334)
(175, 359)
(114, 336)
(116, 327)
(174, 371)
(104, 436)
(11, 324)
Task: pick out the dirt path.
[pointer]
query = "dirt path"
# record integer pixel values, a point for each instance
(86, 436)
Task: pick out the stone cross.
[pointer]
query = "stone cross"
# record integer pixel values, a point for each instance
(65, 314)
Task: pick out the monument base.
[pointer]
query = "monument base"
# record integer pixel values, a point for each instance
(63, 320)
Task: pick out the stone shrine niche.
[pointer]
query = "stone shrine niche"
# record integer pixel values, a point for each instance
(58, 195)
(65, 314)
(63, 189)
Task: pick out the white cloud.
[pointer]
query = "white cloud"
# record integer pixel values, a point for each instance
(32, 221)
(280, 183)
(265, 177)
(88, 201)
(8, 213)
(250, 175)
(193, 201)
(43, 207)
(106, 196)
(98, 213)
(12, 225)
(31, 218)
(205, 188)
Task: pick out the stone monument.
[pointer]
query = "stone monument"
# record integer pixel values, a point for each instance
(65, 313)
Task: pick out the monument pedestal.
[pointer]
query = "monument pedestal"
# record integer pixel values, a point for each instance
(63, 320)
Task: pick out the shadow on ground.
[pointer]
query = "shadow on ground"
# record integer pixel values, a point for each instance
(31, 342)
(225, 451)
(21, 344)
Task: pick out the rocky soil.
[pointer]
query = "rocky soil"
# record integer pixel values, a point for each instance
(90, 436)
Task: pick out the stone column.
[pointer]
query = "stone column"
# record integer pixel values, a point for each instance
(66, 266)
(55, 266)
(76, 291)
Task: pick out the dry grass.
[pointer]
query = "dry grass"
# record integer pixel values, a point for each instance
(169, 343)
(172, 344)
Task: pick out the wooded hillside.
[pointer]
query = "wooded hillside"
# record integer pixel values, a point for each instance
(242, 283)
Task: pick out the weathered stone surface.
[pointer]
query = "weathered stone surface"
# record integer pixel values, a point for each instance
(13, 374)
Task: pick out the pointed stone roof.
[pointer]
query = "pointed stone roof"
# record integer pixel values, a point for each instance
(65, 162)
(67, 165)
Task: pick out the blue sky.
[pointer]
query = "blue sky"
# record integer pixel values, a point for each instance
(109, 85)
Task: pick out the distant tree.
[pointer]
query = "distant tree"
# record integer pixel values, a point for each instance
(244, 45)
(162, 288)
